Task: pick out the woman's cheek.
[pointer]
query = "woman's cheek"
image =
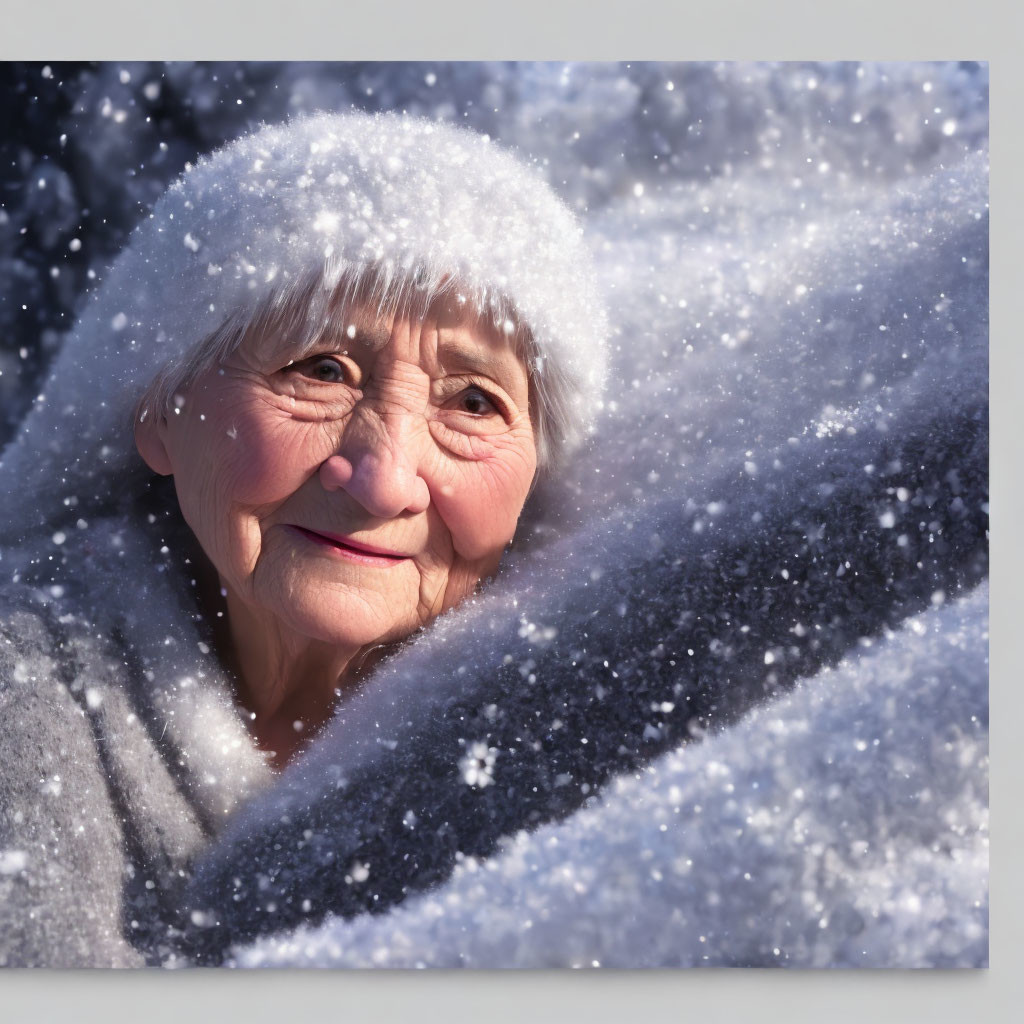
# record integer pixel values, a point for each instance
(265, 457)
(482, 503)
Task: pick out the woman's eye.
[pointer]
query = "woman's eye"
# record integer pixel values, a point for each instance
(475, 402)
(322, 368)
(329, 370)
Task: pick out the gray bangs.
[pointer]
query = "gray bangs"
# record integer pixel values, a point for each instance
(294, 318)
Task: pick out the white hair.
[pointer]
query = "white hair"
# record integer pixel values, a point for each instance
(316, 305)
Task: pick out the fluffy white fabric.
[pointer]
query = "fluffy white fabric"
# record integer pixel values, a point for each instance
(842, 826)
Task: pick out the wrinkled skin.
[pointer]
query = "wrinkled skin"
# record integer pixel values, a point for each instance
(410, 437)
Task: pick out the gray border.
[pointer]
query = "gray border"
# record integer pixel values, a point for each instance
(524, 30)
(563, 29)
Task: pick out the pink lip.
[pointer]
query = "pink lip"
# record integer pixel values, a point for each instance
(353, 549)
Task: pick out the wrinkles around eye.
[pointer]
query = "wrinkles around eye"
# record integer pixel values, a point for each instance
(452, 395)
(468, 445)
(346, 371)
(306, 398)
(461, 406)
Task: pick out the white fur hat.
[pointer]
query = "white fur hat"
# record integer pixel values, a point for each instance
(338, 194)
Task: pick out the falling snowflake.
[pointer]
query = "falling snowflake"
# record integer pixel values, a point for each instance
(478, 765)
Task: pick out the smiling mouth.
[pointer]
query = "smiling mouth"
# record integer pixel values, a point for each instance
(350, 549)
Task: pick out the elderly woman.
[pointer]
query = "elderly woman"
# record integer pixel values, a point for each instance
(347, 348)
(346, 490)
(352, 343)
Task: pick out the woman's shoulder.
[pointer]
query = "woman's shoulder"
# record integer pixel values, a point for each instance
(47, 744)
(30, 644)
(60, 839)
(46, 643)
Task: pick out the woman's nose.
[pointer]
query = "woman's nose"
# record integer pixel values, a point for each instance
(377, 465)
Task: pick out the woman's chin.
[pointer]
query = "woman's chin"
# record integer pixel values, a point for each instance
(345, 624)
(341, 605)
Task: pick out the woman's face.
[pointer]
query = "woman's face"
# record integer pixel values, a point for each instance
(356, 493)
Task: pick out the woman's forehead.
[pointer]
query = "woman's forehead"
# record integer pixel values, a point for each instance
(449, 333)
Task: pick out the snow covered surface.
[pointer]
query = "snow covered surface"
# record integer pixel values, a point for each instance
(791, 461)
(843, 825)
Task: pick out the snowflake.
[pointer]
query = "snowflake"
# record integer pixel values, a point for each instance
(478, 765)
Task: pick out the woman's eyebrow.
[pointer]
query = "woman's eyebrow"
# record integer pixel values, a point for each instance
(369, 335)
(469, 359)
